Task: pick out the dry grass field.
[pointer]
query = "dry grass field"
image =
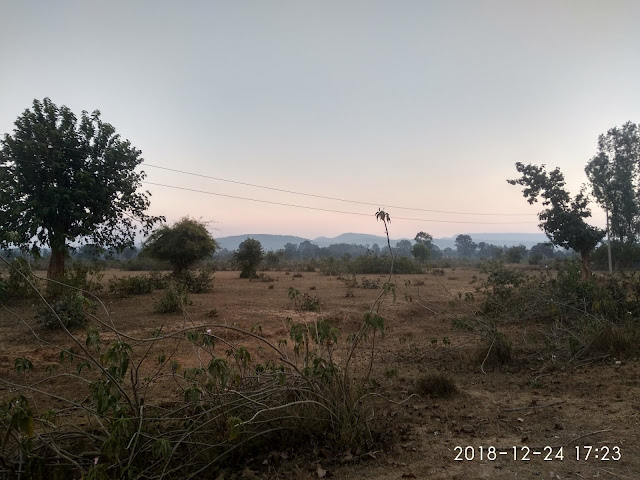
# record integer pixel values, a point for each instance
(527, 404)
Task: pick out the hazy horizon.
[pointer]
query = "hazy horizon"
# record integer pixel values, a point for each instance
(424, 105)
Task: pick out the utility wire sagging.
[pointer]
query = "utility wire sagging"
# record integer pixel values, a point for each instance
(325, 197)
(323, 209)
(333, 198)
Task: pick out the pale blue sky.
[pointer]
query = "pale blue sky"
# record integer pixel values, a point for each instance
(410, 103)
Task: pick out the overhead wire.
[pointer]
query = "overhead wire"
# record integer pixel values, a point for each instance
(322, 209)
(325, 197)
(322, 197)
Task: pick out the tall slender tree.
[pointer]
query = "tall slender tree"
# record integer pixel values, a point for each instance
(614, 173)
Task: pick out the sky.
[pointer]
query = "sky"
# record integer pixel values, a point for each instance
(425, 105)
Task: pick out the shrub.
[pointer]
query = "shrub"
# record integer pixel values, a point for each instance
(331, 266)
(265, 278)
(435, 385)
(173, 300)
(84, 277)
(589, 317)
(144, 263)
(70, 310)
(18, 283)
(304, 301)
(134, 285)
(202, 282)
(496, 350)
(369, 284)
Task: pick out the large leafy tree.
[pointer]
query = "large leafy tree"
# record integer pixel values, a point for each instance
(614, 174)
(183, 244)
(563, 218)
(421, 252)
(64, 180)
(465, 246)
(426, 239)
(248, 256)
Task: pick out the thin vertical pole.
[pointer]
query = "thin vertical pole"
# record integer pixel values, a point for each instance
(608, 242)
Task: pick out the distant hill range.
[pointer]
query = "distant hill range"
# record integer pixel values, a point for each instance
(276, 242)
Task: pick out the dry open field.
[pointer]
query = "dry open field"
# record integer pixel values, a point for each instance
(523, 404)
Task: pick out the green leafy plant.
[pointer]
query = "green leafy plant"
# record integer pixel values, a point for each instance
(202, 282)
(138, 284)
(182, 244)
(173, 300)
(69, 312)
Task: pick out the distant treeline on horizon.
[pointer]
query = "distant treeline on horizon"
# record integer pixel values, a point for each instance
(465, 247)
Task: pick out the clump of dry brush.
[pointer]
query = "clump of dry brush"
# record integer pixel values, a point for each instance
(576, 319)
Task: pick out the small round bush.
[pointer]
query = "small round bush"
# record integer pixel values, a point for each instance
(69, 310)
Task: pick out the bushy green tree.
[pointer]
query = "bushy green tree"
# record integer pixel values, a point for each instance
(541, 252)
(248, 256)
(563, 219)
(403, 248)
(426, 239)
(489, 251)
(182, 245)
(64, 180)
(465, 246)
(421, 252)
(515, 254)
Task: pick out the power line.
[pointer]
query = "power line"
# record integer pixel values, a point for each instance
(319, 196)
(323, 209)
(327, 197)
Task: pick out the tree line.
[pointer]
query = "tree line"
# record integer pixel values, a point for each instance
(66, 181)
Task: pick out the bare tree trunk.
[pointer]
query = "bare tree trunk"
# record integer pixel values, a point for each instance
(56, 269)
(585, 257)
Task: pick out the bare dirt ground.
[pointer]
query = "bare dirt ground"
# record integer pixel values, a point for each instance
(527, 405)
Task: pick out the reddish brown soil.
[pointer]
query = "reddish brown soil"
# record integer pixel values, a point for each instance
(528, 403)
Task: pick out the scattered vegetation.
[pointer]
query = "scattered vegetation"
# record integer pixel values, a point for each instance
(201, 282)
(583, 318)
(304, 301)
(229, 405)
(138, 285)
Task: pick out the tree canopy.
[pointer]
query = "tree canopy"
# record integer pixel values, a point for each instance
(182, 244)
(563, 219)
(248, 256)
(421, 252)
(614, 173)
(64, 180)
(465, 246)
